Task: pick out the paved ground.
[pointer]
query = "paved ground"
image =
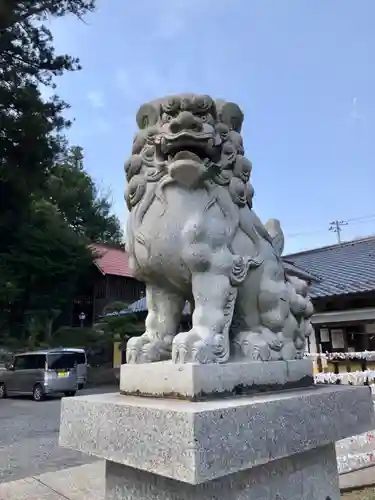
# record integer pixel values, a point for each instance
(87, 482)
(365, 494)
(29, 438)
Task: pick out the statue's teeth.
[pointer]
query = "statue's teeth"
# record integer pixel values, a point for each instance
(163, 144)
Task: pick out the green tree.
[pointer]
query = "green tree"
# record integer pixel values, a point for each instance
(37, 248)
(40, 272)
(120, 327)
(50, 252)
(80, 202)
(30, 128)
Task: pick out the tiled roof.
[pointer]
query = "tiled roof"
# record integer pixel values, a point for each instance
(112, 261)
(141, 306)
(340, 269)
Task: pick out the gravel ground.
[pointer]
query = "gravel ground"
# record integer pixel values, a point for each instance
(366, 494)
(29, 438)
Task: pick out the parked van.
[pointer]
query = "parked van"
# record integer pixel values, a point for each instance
(40, 374)
(81, 360)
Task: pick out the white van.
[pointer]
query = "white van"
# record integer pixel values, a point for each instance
(81, 360)
(40, 374)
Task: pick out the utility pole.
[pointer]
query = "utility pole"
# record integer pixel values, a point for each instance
(335, 227)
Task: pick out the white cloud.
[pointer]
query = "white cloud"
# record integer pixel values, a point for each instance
(148, 82)
(173, 17)
(354, 112)
(96, 99)
(102, 126)
(80, 131)
(122, 79)
(128, 87)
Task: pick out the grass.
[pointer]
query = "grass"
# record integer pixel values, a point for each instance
(365, 494)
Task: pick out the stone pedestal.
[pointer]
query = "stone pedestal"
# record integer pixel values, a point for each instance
(266, 445)
(307, 475)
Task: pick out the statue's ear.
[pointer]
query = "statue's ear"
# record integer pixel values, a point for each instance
(148, 115)
(230, 114)
(274, 230)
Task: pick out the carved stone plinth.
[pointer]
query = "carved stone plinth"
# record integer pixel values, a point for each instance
(265, 446)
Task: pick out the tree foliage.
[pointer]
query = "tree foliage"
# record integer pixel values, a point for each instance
(50, 208)
(30, 128)
(80, 202)
(40, 271)
(120, 327)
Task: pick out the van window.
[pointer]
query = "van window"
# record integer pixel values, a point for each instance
(80, 357)
(30, 362)
(21, 363)
(61, 360)
(37, 361)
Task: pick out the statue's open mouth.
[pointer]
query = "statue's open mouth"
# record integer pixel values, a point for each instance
(188, 146)
(188, 156)
(193, 154)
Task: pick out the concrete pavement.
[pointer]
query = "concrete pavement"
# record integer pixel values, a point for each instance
(358, 479)
(86, 482)
(29, 434)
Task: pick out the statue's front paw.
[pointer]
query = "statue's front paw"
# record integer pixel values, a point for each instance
(145, 350)
(289, 352)
(190, 347)
(251, 345)
(136, 350)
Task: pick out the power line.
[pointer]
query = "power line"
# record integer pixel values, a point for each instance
(305, 233)
(364, 221)
(333, 226)
(363, 218)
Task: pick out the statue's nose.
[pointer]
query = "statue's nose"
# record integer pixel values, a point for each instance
(185, 121)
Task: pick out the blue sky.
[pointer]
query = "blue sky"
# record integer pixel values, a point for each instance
(302, 70)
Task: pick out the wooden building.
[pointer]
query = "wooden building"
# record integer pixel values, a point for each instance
(343, 294)
(110, 279)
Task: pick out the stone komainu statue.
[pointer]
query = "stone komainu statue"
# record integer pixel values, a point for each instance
(193, 236)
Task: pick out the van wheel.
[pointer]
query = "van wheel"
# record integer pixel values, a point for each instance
(80, 387)
(38, 393)
(3, 392)
(69, 394)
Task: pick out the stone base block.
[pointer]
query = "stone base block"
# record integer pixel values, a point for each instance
(307, 476)
(203, 441)
(196, 382)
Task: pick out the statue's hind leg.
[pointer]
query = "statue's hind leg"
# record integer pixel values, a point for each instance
(162, 323)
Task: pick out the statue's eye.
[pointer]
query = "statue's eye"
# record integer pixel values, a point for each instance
(167, 117)
(204, 118)
(149, 152)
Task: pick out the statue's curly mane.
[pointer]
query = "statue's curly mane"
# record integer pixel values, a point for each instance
(147, 166)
